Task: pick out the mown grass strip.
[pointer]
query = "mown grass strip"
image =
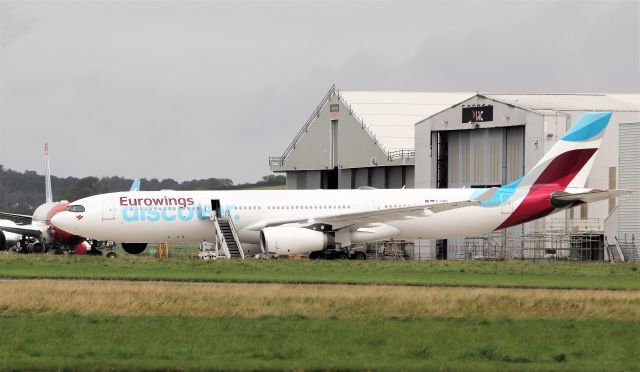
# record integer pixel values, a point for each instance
(318, 301)
(119, 342)
(513, 274)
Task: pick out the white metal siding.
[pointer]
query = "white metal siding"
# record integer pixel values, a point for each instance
(629, 206)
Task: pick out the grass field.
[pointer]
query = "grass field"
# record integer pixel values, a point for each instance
(381, 315)
(314, 301)
(514, 274)
(230, 343)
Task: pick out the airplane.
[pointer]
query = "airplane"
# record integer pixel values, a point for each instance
(46, 235)
(284, 222)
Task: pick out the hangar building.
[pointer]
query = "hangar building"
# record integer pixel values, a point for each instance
(493, 139)
(439, 140)
(355, 139)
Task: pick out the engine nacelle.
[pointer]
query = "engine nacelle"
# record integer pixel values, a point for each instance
(285, 240)
(7, 239)
(371, 234)
(82, 248)
(134, 248)
(3, 242)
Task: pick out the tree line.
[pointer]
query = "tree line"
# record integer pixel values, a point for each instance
(22, 192)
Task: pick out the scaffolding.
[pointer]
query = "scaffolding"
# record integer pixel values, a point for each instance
(489, 247)
(558, 239)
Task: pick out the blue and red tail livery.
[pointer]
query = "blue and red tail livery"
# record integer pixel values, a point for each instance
(558, 169)
(588, 127)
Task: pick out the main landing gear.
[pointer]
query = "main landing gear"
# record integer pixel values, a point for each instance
(337, 254)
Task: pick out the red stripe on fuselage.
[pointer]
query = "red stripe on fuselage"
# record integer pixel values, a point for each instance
(555, 177)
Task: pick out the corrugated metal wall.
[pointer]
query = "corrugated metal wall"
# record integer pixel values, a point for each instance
(489, 156)
(629, 206)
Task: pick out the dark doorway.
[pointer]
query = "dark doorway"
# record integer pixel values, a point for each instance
(330, 179)
(441, 249)
(215, 207)
(334, 143)
(587, 247)
(442, 160)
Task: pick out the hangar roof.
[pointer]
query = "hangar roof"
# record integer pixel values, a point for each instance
(632, 98)
(391, 116)
(570, 102)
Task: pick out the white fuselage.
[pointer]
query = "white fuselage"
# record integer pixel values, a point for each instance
(155, 216)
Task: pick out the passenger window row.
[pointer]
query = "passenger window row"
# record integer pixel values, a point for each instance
(344, 206)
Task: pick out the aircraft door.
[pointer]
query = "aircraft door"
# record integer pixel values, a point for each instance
(215, 208)
(107, 209)
(374, 204)
(204, 209)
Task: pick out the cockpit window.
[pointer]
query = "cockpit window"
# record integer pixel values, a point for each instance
(75, 208)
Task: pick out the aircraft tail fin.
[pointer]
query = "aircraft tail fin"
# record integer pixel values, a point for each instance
(565, 166)
(47, 175)
(569, 161)
(135, 186)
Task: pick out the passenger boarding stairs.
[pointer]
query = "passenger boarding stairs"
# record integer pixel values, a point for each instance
(628, 248)
(615, 253)
(621, 251)
(227, 237)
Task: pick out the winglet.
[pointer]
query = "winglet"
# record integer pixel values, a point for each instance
(486, 195)
(135, 186)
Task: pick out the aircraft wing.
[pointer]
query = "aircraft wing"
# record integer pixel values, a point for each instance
(339, 221)
(16, 215)
(401, 213)
(26, 230)
(589, 196)
(389, 214)
(271, 222)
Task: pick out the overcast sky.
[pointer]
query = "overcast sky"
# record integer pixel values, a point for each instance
(200, 89)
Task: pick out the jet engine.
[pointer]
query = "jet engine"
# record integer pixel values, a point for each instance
(82, 248)
(7, 239)
(134, 248)
(285, 240)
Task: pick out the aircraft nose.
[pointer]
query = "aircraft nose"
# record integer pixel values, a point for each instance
(63, 221)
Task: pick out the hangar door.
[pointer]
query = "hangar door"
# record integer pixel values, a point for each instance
(481, 157)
